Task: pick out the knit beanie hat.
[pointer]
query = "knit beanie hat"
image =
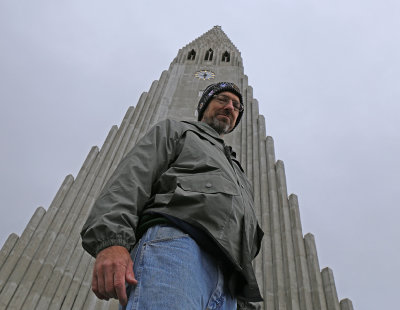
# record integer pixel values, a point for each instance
(215, 89)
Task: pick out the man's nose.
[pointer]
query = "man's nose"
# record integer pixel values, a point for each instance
(229, 106)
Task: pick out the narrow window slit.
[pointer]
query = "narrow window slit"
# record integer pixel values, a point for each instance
(226, 57)
(191, 55)
(209, 55)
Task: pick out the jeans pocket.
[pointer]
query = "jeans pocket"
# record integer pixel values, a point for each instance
(165, 267)
(163, 246)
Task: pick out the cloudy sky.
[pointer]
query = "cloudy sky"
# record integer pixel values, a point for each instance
(326, 75)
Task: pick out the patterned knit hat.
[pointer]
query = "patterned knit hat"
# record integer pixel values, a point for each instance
(215, 89)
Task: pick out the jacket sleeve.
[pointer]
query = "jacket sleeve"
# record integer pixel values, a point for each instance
(115, 214)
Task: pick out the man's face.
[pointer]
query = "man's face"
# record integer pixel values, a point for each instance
(221, 115)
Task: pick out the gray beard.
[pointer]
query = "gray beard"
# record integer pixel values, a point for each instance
(220, 127)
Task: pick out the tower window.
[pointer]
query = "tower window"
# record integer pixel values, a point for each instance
(209, 55)
(226, 57)
(191, 55)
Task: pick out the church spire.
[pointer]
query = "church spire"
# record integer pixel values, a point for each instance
(215, 37)
(213, 47)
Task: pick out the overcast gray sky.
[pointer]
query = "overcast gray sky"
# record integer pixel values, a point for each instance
(326, 75)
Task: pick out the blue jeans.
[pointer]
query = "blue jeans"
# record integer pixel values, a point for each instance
(173, 272)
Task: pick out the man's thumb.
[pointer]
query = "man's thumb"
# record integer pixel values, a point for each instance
(129, 275)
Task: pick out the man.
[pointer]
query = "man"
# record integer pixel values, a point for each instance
(181, 203)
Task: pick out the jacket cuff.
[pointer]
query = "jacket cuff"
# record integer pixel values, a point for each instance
(111, 242)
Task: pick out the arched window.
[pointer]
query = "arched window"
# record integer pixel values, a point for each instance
(191, 55)
(226, 57)
(209, 55)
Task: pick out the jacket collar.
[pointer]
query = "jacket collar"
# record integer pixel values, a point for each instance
(204, 127)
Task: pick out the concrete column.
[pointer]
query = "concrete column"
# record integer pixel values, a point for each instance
(96, 179)
(66, 241)
(149, 109)
(218, 56)
(112, 152)
(249, 136)
(60, 239)
(331, 297)
(91, 301)
(243, 122)
(26, 259)
(317, 290)
(202, 54)
(346, 304)
(234, 58)
(303, 281)
(85, 294)
(134, 123)
(100, 304)
(66, 294)
(197, 59)
(287, 243)
(256, 185)
(214, 60)
(153, 113)
(40, 292)
(108, 155)
(266, 249)
(182, 55)
(141, 118)
(53, 299)
(7, 248)
(20, 246)
(238, 142)
(279, 284)
(166, 101)
(114, 304)
(245, 83)
(234, 140)
(145, 117)
(126, 125)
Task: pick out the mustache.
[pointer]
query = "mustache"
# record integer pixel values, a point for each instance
(226, 113)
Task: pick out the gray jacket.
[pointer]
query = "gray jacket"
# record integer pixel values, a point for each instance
(183, 170)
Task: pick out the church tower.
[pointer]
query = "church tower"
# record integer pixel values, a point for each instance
(46, 267)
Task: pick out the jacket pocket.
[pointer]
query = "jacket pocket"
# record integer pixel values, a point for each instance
(209, 183)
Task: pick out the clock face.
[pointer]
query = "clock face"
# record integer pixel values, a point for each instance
(204, 75)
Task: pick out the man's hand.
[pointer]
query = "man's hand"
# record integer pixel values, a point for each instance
(112, 268)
